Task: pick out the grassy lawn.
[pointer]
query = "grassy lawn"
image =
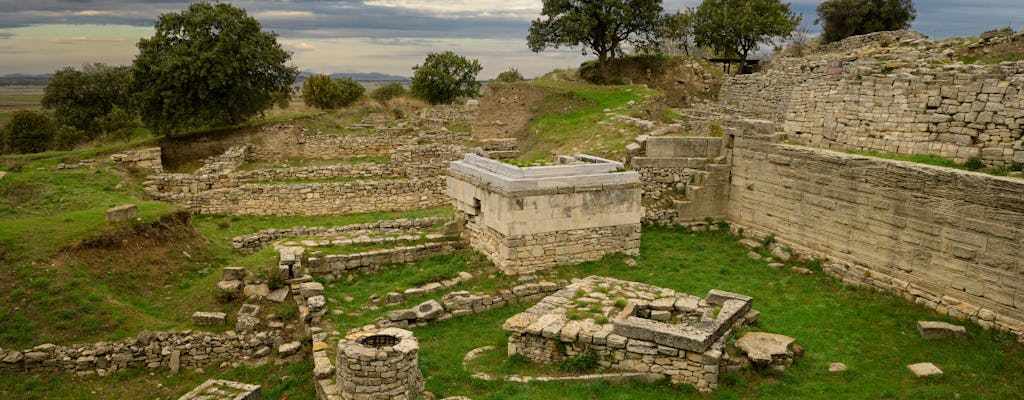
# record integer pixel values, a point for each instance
(567, 121)
(873, 333)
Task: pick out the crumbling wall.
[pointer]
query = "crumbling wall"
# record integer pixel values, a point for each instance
(685, 179)
(948, 239)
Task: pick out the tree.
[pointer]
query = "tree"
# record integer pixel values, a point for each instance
(350, 90)
(735, 27)
(388, 92)
(841, 19)
(444, 77)
(600, 26)
(210, 64)
(81, 99)
(512, 75)
(119, 123)
(322, 92)
(676, 30)
(29, 132)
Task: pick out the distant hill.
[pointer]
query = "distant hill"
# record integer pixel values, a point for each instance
(358, 76)
(24, 79)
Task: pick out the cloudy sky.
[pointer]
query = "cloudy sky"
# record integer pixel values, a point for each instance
(389, 36)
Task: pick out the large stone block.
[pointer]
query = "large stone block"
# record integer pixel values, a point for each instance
(122, 213)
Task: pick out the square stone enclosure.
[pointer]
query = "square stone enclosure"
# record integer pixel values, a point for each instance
(632, 327)
(526, 219)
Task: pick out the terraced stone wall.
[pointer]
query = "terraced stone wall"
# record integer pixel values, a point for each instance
(949, 239)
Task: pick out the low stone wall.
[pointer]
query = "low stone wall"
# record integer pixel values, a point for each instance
(255, 241)
(531, 252)
(314, 198)
(144, 159)
(226, 162)
(945, 238)
(169, 184)
(339, 265)
(151, 350)
(657, 330)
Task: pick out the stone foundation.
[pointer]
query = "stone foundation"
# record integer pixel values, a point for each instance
(379, 365)
(525, 219)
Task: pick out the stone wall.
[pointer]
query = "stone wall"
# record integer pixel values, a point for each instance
(893, 92)
(945, 238)
(525, 219)
(147, 159)
(186, 349)
(315, 198)
(255, 241)
(684, 178)
(339, 265)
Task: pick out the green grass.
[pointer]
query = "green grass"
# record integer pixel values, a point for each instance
(873, 333)
(566, 120)
(292, 380)
(991, 58)
(972, 164)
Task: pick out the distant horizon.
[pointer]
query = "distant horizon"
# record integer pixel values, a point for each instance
(375, 36)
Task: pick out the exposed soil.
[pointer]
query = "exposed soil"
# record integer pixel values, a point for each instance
(506, 110)
(170, 228)
(683, 80)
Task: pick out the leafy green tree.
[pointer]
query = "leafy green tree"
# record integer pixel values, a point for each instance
(841, 19)
(512, 75)
(444, 77)
(120, 124)
(28, 132)
(82, 98)
(600, 26)
(67, 137)
(350, 90)
(735, 27)
(210, 64)
(388, 92)
(676, 30)
(322, 92)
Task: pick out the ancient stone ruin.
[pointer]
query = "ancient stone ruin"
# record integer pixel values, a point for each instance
(528, 218)
(632, 326)
(379, 365)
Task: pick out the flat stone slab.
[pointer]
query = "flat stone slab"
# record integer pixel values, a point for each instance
(203, 318)
(216, 389)
(279, 295)
(836, 367)
(288, 349)
(924, 369)
(762, 346)
(938, 330)
(122, 213)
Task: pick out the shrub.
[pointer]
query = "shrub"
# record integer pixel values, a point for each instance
(67, 137)
(322, 92)
(586, 361)
(29, 132)
(444, 77)
(350, 90)
(974, 164)
(388, 92)
(119, 123)
(512, 75)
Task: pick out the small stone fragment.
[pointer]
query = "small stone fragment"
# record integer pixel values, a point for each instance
(924, 369)
(836, 367)
(938, 329)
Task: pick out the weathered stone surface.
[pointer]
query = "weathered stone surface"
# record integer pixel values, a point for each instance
(203, 318)
(428, 310)
(122, 213)
(836, 367)
(761, 347)
(256, 291)
(924, 369)
(289, 348)
(215, 389)
(310, 289)
(232, 274)
(230, 287)
(247, 323)
(279, 295)
(937, 330)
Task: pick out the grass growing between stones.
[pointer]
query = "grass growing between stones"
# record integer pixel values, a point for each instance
(972, 164)
(873, 333)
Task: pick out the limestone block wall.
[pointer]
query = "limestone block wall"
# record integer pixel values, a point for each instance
(524, 219)
(339, 265)
(316, 198)
(253, 242)
(683, 178)
(144, 159)
(950, 239)
(151, 350)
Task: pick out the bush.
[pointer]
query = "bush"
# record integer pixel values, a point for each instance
(119, 123)
(512, 75)
(388, 92)
(322, 92)
(67, 137)
(29, 132)
(974, 164)
(444, 77)
(350, 90)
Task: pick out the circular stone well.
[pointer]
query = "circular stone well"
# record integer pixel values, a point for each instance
(379, 365)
